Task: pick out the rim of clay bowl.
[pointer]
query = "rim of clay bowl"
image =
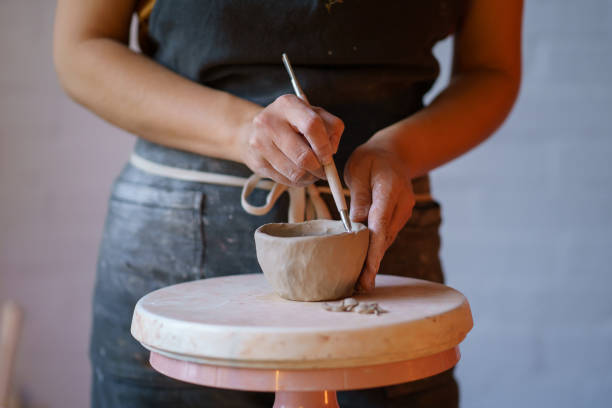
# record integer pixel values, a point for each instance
(262, 230)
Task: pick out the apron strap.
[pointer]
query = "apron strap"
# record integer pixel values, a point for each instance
(273, 195)
(304, 202)
(301, 206)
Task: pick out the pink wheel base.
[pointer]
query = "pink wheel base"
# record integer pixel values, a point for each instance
(309, 399)
(314, 388)
(317, 380)
(233, 332)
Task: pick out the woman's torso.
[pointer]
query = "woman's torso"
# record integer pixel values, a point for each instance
(368, 62)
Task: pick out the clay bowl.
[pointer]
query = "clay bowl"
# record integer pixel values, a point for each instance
(312, 260)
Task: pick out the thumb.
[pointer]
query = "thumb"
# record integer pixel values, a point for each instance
(361, 194)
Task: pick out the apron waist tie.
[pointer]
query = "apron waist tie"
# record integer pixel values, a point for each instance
(304, 202)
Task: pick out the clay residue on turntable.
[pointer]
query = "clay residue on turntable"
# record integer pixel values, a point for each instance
(352, 305)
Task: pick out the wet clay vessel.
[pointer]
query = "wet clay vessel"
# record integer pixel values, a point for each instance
(313, 260)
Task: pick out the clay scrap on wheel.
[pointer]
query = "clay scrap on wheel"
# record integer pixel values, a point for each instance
(352, 305)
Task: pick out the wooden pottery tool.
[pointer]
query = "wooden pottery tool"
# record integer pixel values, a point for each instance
(330, 168)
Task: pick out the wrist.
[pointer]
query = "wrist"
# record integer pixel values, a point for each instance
(385, 140)
(385, 145)
(240, 144)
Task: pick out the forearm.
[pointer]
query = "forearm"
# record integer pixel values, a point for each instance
(468, 111)
(135, 93)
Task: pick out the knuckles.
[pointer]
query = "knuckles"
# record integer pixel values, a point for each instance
(262, 119)
(255, 142)
(399, 183)
(295, 176)
(350, 171)
(312, 124)
(337, 126)
(306, 160)
(286, 99)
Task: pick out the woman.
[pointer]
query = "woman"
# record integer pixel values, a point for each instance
(210, 94)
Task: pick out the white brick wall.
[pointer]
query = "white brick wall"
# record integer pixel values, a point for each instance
(527, 234)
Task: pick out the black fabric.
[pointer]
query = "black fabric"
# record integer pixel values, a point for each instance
(368, 62)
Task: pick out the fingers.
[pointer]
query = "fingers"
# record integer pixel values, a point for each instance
(283, 165)
(361, 200)
(308, 122)
(261, 166)
(295, 148)
(294, 175)
(401, 215)
(383, 231)
(293, 138)
(357, 178)
(274, 145)
(334, 126)
(268, 160)
(379, 222)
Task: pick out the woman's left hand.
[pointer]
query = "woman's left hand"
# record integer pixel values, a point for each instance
(381, 194)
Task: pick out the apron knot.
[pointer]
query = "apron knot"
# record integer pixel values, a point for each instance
(305, 203)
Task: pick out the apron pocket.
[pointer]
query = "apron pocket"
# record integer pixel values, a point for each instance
(152, 238)
(153, 234)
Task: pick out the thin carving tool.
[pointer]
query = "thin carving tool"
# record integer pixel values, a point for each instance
(330, 168)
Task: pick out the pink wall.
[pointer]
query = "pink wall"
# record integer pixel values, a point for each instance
(56, 164)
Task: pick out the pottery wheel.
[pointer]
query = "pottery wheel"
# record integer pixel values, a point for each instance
(238, 321)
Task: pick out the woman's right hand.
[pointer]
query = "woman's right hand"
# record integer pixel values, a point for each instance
(289, 140)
